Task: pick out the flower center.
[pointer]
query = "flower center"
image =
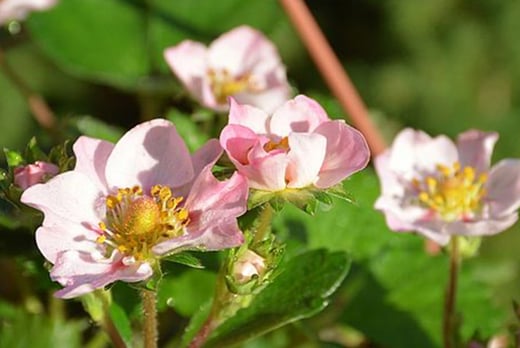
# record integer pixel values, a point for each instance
(223, 85)
(283, 144)
(135, 222)
(455, 193)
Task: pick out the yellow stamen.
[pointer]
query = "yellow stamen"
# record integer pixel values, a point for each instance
(455, 193)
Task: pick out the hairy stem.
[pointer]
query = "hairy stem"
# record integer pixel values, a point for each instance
(333, 72)
(449, 322)
(37, 104)
(264, 223)
(149, 318)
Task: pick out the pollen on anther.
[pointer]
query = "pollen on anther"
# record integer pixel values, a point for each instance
(101, 239)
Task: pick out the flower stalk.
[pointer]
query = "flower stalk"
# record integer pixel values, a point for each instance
(150, 336)
(450, 316)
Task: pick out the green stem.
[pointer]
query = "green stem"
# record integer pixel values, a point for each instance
(264, 223)
(449, 323)
(149, 318)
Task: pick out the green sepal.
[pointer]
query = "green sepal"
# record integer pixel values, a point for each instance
(184, 258)
(13, 158)
(33, 152)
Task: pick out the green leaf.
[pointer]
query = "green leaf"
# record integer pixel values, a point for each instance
(301, 290)
(96, 128)
(186, 292)
(188, 129)
(121, 42)
(121, 322)
(185, 258)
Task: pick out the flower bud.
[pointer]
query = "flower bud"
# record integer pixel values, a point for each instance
(249, 265)
(31, 174)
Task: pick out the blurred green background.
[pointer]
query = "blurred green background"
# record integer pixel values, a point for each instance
(443, 66)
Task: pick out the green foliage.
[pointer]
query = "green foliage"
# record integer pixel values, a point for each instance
(122, 42)
(300, 290)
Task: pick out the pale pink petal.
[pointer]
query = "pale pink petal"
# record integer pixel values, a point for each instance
(482, 227)
(391, 184)
(475, 148)
(80, 273)
(415, 153)
(70, 196)
(151, 153)
(503, 187)
(306, 155)
(268, 100)
(213, 207)
(347, 153)
(266, 173)
(240, 50)
(91, 158)
(301, 114)
(188, 60)
(248, 116)
(69, 202)
(20, 9)
(238, 142)
(209, 153)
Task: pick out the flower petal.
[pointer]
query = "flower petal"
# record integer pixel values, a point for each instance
(80, 273)
(306, 155)
(69, 203)
(208, 154)
(213, 207)
(301, 114)
(238, 141)
(91, 158)
(240, 50)
(248, 116)
(415, 153)
(503, 187)
(347, 152)
(475, 148)
(151, 153)
(188, 60)
(266, 173)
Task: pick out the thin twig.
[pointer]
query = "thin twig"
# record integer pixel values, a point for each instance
(37, 104)
(449, 323)
(333, 72)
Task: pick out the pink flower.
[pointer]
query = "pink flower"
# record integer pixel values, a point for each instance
(31, 174)
(440, 189)
(241, 63)
(127, 204)
(296, 147)
(19, 9)
(249, 265)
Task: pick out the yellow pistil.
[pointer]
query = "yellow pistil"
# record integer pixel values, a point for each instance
(223, 85)
(454, 194)
(283, 144)
(135, 222)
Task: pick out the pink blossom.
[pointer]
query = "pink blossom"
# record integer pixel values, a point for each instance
(241, 63)
(298, 146)
(439, 189)
(19, 9)
(125, 205)
(31, 174)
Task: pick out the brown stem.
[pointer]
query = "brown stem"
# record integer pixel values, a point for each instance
(149, 318)
(111, 330)
(333, 72)
(203, 333)
(449, 322)
(37, 104)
